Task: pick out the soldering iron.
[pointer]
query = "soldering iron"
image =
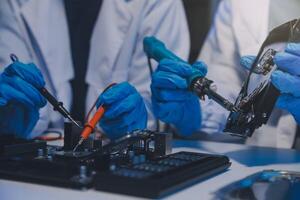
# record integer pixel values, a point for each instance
(57, 105)
(198, 84)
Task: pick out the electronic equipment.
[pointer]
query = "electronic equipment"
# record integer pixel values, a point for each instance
(264, 185)
(258, 96)
(139, 164)
(161, 176)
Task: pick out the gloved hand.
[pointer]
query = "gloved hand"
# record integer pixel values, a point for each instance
(171, 100)
(125, 112)
(286, 78)
(20, 101)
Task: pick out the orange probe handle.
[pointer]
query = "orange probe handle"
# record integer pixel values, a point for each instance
(90, 126)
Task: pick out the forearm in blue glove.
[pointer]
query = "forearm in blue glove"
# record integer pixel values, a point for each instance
(20, 101)
(125, 112)
(171, 100)
(286, 78)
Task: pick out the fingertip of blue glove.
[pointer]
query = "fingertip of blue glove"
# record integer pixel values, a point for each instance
(247, 61)
(276, 74)
(291, 104)
(281, 102)
(279, 57)
(182, 69)
(293, 48)
(126, 124)
(168, 62)
(131, 102)
(200, 67)
(286, 83)
(115, 93)
(39, 79)
(44, 102)
(276, 79)
(28, 72)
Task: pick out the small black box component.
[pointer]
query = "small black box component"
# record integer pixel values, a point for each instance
(9, 145)
(71, 136)
(162, 143)
(138, 164)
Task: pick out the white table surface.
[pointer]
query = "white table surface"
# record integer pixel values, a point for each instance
(245, 161)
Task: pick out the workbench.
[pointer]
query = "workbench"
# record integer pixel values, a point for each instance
(245, 161)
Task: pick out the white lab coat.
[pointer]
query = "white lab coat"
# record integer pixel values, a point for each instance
(36, 31)
(240, 27)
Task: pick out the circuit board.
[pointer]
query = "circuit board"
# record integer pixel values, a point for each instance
(140, 164)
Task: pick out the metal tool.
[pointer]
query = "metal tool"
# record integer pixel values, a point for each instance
(90, 125)
(258, 96)
(57, 106)
(198, 84)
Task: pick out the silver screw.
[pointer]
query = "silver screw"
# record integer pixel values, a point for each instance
(112, 167)
(131, 154)
(135, 160)
(213, 87)
(247, 131)
(40, 152)
(83, 171)
(49, 157)
(142, 158)
(264, 115)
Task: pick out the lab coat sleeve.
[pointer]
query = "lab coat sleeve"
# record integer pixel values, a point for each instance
(165, 20)
(12, 40)
(220, 52)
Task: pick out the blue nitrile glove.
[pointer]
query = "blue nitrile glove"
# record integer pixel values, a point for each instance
(286, 78)
(125, 112)
(20, 101)
(171, 100)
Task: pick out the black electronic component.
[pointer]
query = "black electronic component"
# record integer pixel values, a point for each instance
(263, 185)
(154, 143)
(203, 86)
(162, 176)
(71, 135)
(9, 145)
(140, 162)
(162, 144)
(258, 96)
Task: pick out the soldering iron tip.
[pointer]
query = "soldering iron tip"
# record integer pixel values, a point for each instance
(75, 122)
(78, 144)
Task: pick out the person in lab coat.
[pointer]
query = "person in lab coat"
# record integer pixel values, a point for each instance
(239, 29)
(79, 48)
